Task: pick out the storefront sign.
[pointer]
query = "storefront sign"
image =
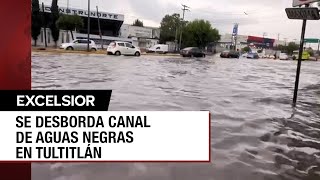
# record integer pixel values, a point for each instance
(84, 13)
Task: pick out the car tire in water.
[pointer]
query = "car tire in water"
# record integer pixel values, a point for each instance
(118, 53)
(69, 48)
(93, 49)
(137, 54)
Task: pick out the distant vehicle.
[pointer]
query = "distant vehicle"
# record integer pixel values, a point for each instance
(245, 55)
(192, 52)
(159, 48)
(305, 55)
(283, 56)
(230, 54)
(79, 44)
(253, 56)
(123, 48)
(295, 55)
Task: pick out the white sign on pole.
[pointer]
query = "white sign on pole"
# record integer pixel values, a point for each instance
(302, 2)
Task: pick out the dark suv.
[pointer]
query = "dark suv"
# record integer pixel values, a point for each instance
(230, 54)
(192, 52)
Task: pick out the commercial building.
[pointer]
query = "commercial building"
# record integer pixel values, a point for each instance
(146, 36)
(111, 27)
(226, 41)
(255, 42)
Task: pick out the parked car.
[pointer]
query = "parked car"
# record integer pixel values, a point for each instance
(192, 52)
(230, 54)
(253, 56)
(159, 48)
(79, 44)
(122, 48)
(283, 56)
(245, 55)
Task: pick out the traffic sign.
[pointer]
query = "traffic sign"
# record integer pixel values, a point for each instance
(303, 13)
(302, 2)
(311, 40)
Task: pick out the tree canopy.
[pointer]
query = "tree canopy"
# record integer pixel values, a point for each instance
(199, 33)
(246, 49)
(54, 18)
(70, 23)
(289, 48)
(36, 21)
(170, 27)
(137, 22)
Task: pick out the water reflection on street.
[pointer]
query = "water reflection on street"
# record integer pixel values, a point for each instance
(256, 134)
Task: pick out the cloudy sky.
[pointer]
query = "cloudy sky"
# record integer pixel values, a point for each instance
(263, 16)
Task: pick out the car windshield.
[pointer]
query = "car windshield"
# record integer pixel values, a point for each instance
(187, 49)
(112, 44)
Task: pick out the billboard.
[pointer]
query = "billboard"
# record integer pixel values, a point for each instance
(302, 2)
(235, 30)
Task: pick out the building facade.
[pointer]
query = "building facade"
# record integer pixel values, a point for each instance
(226, 41)
(255, 42)
(147, 36)
(111, 28)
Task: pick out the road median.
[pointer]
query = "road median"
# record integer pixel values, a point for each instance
(102, 52)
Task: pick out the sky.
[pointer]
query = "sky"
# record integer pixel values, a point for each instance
(255, 17)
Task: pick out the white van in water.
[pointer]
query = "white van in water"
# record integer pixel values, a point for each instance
(159, 48)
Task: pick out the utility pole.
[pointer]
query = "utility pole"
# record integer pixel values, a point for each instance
(88, 45)
(185, 8)
(176, 40)
(285, 41)
(99, 28)
(278, 36)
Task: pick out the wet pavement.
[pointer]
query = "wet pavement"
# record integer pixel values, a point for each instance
(256, 134)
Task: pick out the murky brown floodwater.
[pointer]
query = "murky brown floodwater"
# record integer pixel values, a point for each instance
(257, 135)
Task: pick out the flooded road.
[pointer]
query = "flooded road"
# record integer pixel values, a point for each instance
(256, 134)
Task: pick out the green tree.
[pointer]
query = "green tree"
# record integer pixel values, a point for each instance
(170, 28)
(288, 49)
(292, 47)
(199, 33)
(246, 49)
(54, 17)
(137, 22)
(35, 21)
(70, 23)
(310, 51)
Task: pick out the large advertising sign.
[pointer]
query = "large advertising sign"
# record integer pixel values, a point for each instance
(302, 2)
(235, 30)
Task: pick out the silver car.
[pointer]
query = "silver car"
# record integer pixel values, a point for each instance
(79, 44)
